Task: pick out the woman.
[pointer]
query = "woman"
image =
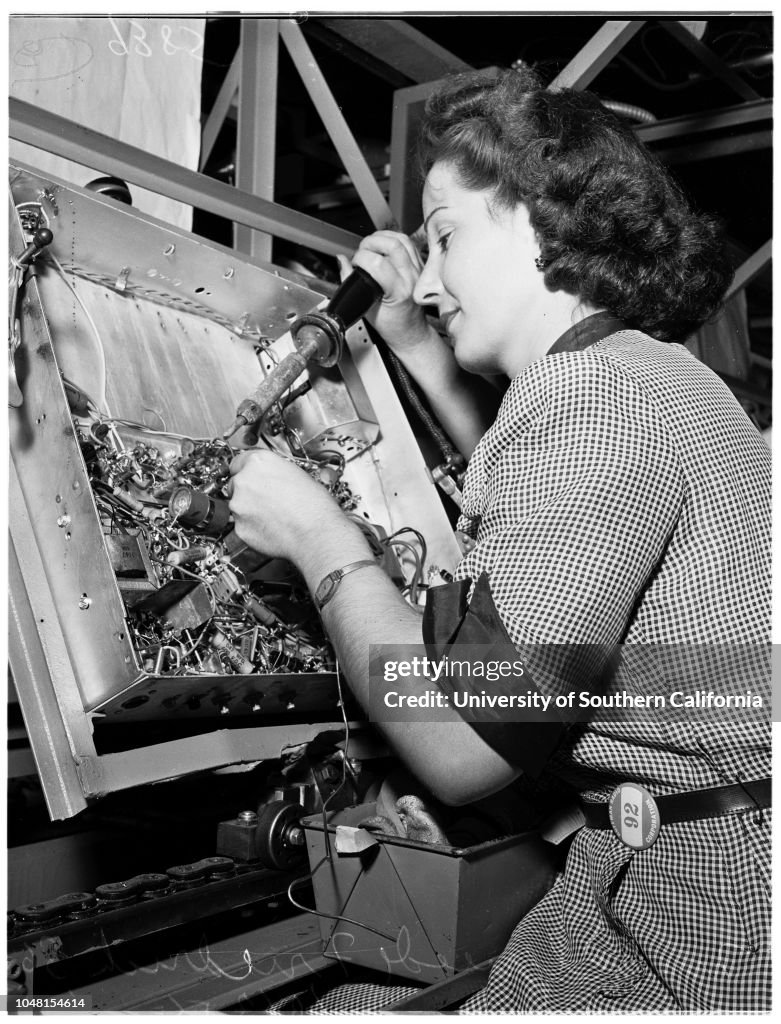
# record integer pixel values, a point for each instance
(620, 497)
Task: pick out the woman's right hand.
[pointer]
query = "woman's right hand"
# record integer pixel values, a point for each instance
(395, 264)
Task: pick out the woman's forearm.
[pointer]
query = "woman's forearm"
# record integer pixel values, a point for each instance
(446, 754)
(464, 404)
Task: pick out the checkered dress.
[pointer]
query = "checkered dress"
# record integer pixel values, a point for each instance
(622, 496)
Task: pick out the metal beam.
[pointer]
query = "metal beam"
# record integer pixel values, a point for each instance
(748, 270)
(353, 159)
(711, 149)
(596, 54)
(56, 134)
(712, 120)
(709, 59)
(257, 130)
(346, 50)
(219, 111)
(399, 45)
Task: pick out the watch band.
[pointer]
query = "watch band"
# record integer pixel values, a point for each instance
(329, 584)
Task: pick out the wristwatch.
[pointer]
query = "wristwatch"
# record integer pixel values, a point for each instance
(329, 584)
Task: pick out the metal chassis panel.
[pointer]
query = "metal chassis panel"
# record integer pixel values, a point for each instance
(60, 729)
(60, 732)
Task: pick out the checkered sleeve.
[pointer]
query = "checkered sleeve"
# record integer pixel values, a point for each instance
(581, 489)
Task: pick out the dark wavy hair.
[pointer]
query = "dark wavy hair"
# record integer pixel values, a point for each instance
(614, 228)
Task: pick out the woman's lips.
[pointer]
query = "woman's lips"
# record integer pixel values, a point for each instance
(446, 319)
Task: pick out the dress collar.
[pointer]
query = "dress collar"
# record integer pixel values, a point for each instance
(587, 332)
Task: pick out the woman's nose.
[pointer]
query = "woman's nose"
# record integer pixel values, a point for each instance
(428, 287)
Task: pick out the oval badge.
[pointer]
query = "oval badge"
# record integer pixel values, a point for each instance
(634, 816)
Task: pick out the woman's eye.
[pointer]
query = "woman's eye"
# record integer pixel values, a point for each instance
(443, 240)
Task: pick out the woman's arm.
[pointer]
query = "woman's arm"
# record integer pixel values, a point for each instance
(464, 404)
(281, 511)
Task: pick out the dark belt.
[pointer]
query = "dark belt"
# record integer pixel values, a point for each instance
(694, 805)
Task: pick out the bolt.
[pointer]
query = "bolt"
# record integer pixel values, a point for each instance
(295, 836)
(84, 602)
(248, 817)
(63, 521)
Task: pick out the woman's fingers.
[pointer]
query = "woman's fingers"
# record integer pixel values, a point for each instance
(396, 247)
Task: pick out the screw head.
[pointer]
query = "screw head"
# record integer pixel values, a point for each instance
(249, 817)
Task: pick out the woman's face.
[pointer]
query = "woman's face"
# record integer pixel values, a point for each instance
(480, 273)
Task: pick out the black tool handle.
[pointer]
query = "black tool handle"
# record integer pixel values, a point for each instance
(40, 240)
(355, 296)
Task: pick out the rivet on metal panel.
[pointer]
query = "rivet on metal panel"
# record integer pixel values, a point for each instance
(169, 250)
(229, 272)
(68, 535)
(63, 521)
(58, 498)
(76, 485)
(84, 602)
(121, 282)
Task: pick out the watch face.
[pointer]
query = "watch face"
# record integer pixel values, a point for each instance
(326, 589)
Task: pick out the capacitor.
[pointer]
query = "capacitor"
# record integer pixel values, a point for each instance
(196, 553)
(237, 661)
(261, 611)
(199, 511)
